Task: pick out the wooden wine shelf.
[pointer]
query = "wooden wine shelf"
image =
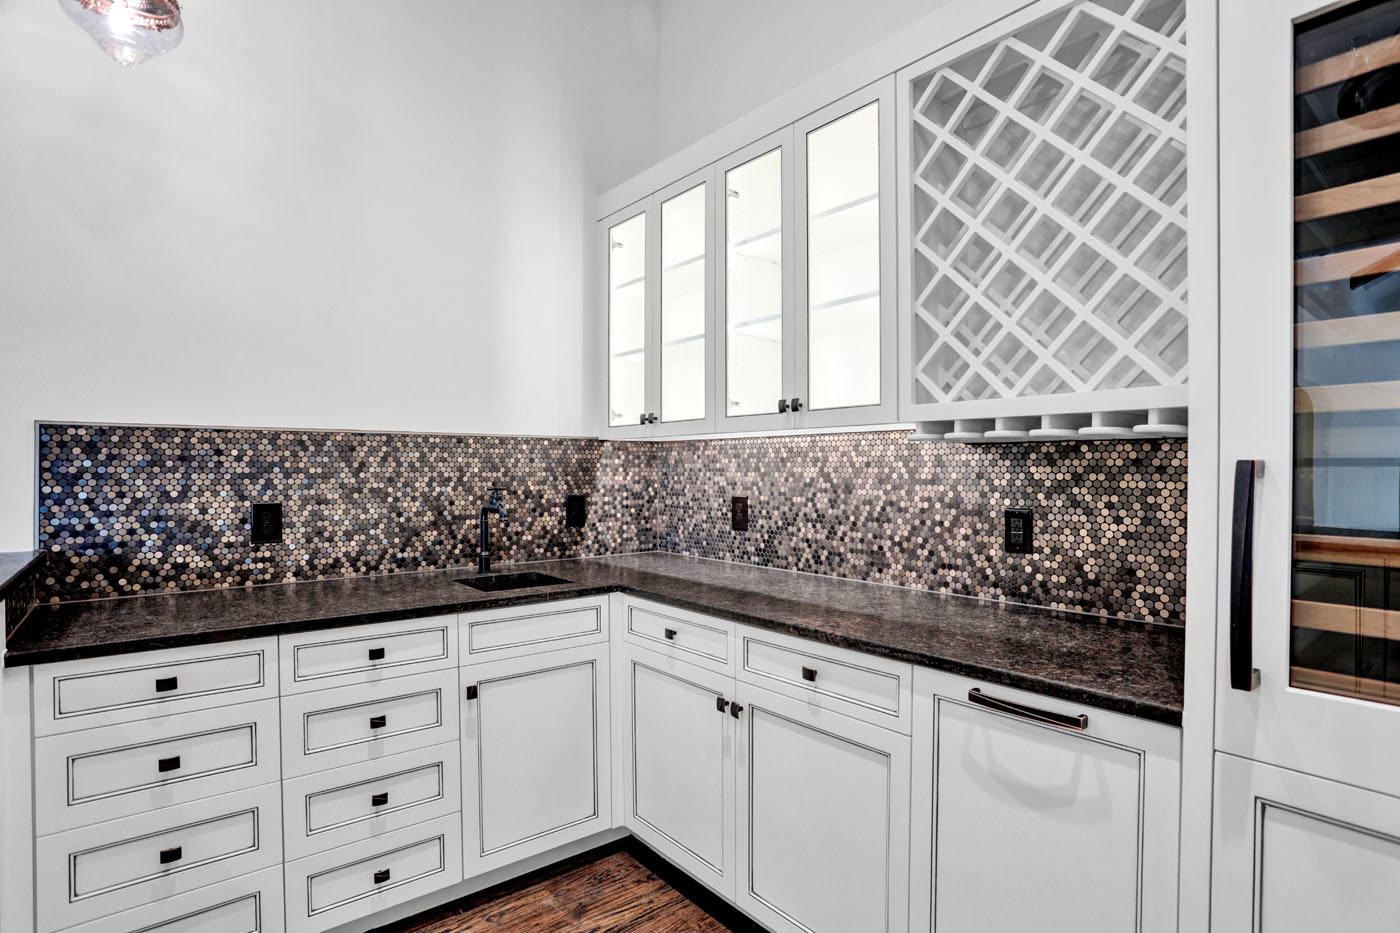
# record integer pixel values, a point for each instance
(1349, 620)
(1358, 196)
(1335, 549)
(1347, 331)
(1353, 263)
(1361, 396)
(1374, 124)
(1345, 685)
(1360, 61)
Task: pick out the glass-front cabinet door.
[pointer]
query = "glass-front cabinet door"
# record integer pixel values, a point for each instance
(626, 300)
(755, 274)
(1310, 389)
(845, 288)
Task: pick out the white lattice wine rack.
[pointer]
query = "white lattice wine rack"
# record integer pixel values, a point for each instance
(1047, 224)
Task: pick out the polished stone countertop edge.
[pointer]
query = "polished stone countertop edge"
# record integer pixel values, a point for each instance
(14, 565)
(476, 601)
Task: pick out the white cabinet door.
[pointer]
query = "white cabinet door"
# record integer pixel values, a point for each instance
(1298, 854)
(536, 754)
(679, 763)
(845, 281)
(626, 303)
(1074, 808)
(1308, 387)
(823, 800)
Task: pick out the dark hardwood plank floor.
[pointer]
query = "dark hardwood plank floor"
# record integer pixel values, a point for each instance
(609, 894)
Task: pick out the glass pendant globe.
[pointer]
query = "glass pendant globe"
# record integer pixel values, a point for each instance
(130, 31)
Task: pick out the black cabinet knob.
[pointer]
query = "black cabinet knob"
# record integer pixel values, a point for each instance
(782, 406)
(168, 764)
(376, 654)
(809, 675)
(166, 684)
(641, 419)
(721, 704)
(670, 634)
(735, 709)
(472, 692)
(381, 876)
(797, 404)
(379, 800)
(378, 722)
(171, 855)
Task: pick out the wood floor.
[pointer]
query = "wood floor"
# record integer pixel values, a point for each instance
(609, 894)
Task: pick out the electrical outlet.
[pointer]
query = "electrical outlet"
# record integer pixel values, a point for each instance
(1020, 527)
(575, 511)
(267, 523)
(739, 513)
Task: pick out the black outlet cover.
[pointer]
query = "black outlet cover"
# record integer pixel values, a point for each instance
(267, 523)
(1020, 527)
(739, 513)
(575, 511)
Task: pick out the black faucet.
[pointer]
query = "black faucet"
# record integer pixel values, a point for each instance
(499, 507)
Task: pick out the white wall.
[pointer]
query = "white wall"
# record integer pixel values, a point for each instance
(719, 59)
(341, 216)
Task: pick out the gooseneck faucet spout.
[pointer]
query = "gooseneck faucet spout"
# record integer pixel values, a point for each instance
(499, 507)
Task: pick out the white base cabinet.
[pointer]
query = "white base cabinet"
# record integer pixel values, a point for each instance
(1295, 853)
(536, 754)
(1074, 809)
(678, 771)
(823, 818)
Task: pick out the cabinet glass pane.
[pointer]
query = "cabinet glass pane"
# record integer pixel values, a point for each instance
(627, 289)
(754, 285)
(683, 269)
(843, 261)
(1346, 327)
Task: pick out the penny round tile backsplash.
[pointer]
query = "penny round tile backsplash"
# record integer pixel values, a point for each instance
(129, 509)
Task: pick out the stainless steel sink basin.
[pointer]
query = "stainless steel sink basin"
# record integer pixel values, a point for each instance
(510, 581)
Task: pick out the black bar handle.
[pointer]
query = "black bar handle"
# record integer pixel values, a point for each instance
(171, 855)
(168, 764)
(166, 684)
(379, 800)
(381, 876)
(1044, 716)
(809, 675)
(378, 722)
(376, 654)
(1243, 675)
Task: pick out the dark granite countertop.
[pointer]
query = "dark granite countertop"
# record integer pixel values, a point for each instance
(1130, 667)
(14, 564)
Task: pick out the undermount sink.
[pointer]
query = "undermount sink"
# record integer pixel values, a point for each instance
(510, 581)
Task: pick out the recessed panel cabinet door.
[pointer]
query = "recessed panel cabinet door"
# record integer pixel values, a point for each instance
(823, 819)
(1298, 854)
(680, 764)
(535, 754)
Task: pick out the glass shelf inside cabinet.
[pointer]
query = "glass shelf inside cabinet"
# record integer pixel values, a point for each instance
(627, 321)
(683, 270)
(1346, 326)
(754, 285)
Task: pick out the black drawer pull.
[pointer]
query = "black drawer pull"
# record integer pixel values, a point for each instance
(721, 704)
(166, 684)
(670, 634)
(472, 692)
(168, 764)
(171, 855)
(809, 675)
(379, 800)
(381, 876)
(735, 709)
(376, 654)
(378, 722)
(1047, 717)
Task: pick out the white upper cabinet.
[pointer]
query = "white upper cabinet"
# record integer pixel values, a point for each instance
(659, 304)
(1043, 216)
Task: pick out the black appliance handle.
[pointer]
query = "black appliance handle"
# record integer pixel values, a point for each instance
(1243, 674)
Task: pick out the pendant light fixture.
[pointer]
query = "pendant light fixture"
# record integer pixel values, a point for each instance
(130, 31)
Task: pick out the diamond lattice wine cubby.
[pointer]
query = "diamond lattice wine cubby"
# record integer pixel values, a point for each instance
(1047, 217)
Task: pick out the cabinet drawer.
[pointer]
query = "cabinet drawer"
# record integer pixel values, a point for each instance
(101, 774)
(680, 634)
(866, 687)
(250, 904)
(334, 808)
(509, 633)
(99, 870)
(347, 725)
(364, 878)
(91, 693)
(367, 653)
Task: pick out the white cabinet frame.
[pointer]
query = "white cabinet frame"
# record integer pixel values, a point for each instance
(643, 207)
(881, 93)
